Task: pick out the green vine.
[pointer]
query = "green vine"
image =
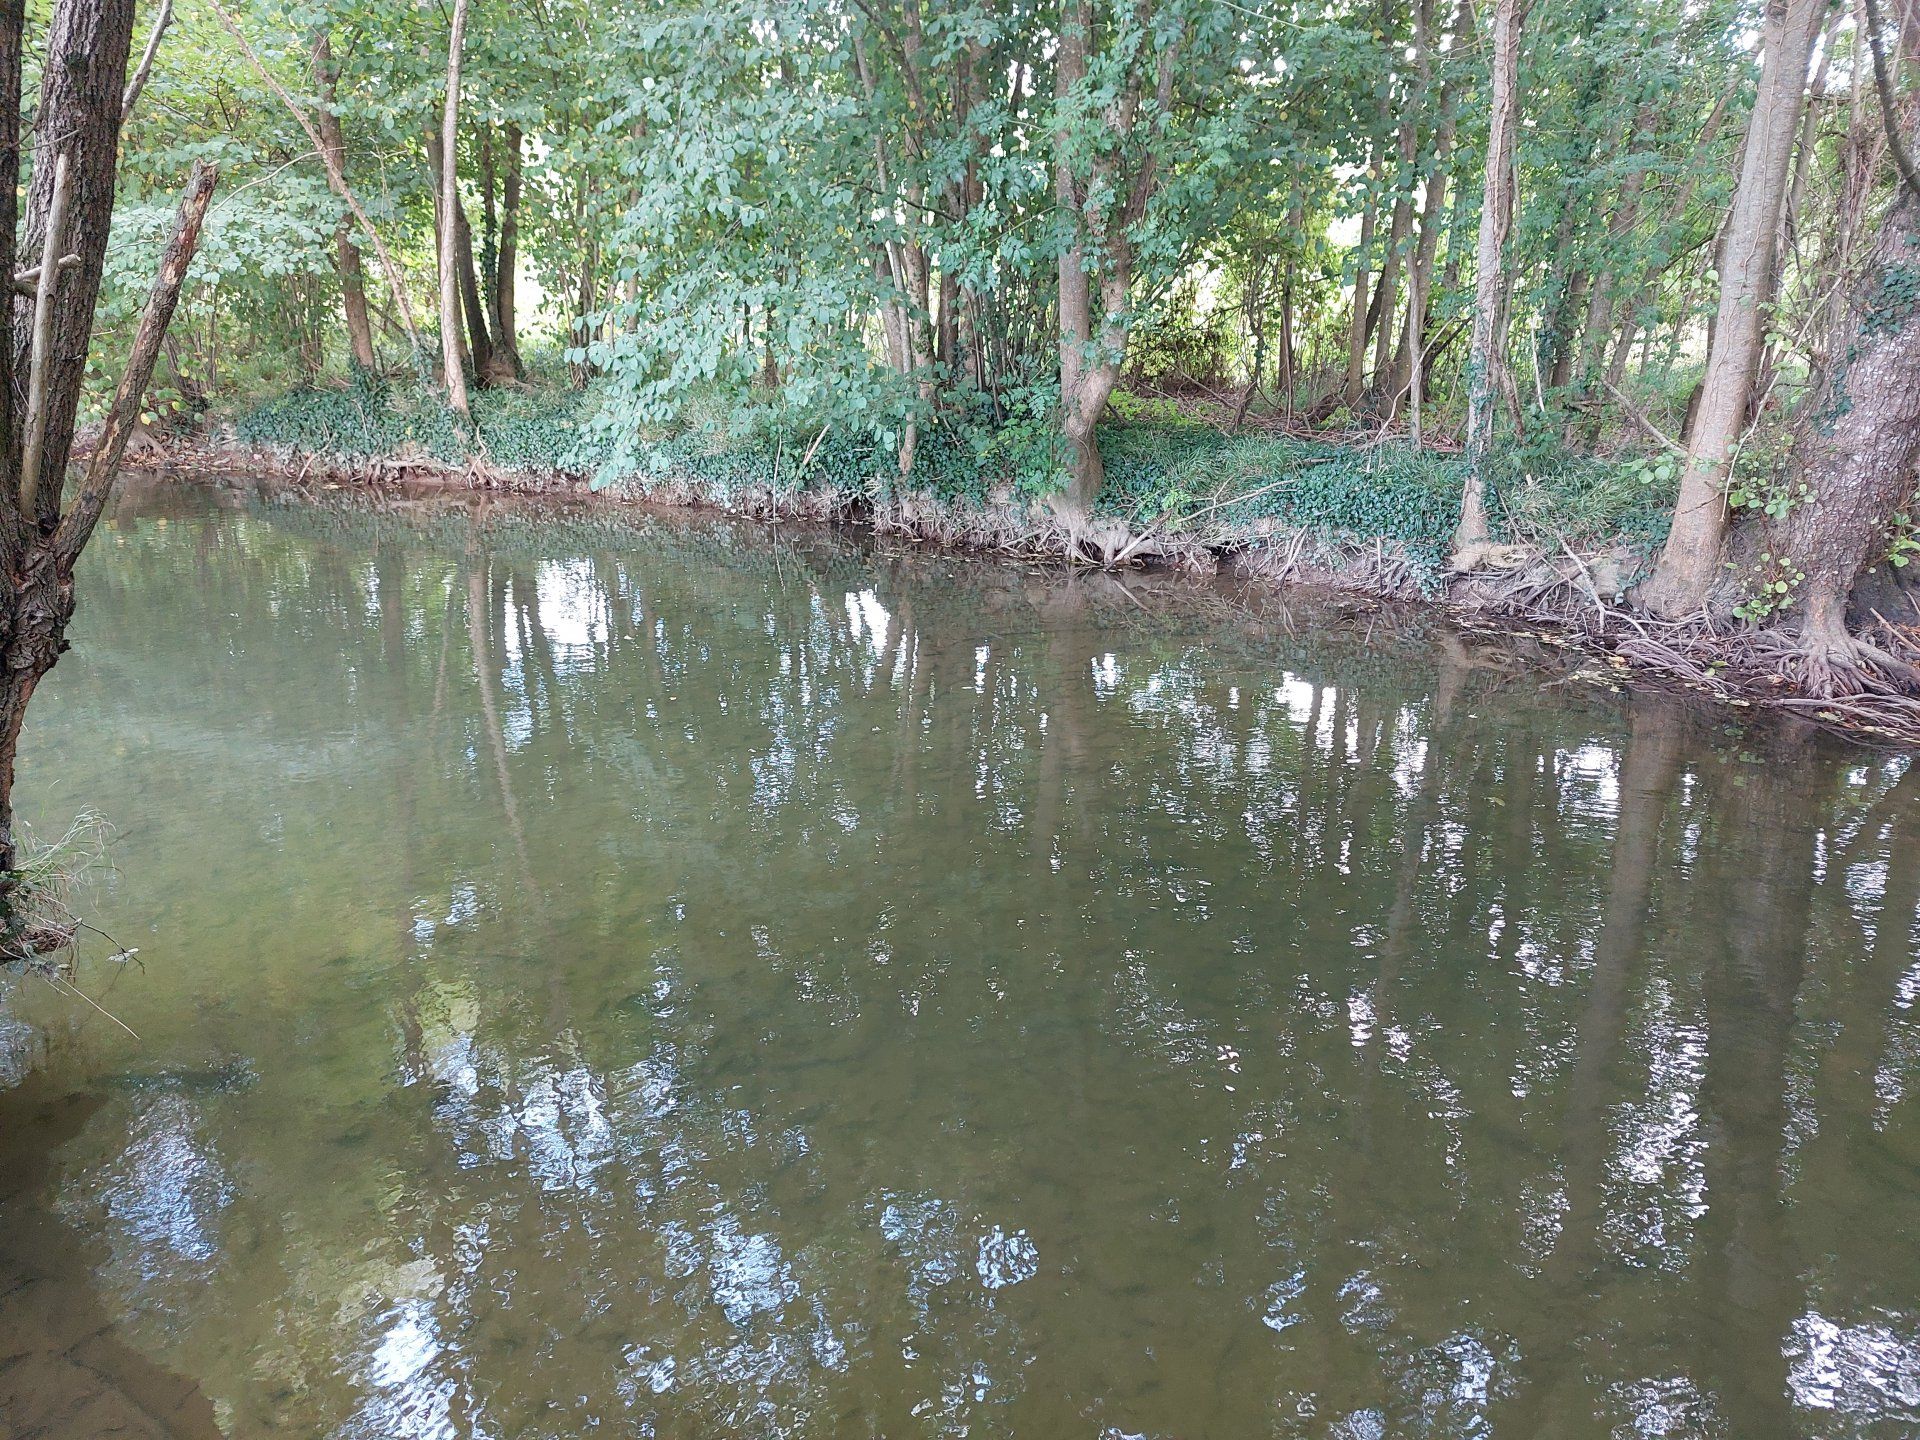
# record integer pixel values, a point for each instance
(1771, 582)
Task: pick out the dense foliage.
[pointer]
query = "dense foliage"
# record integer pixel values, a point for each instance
(913, 240)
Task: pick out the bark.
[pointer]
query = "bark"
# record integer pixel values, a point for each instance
(1487, 359)
(443, 236)
(1667, 223)
(479, 342)
(449, 191)
(80, 108)
(1597, 329)
(12, 26)
(1859, 449)
(353, 287)
(907, 272)
(1386, 297)
(82, 103)
(1350, 387)
(506, 341)
(1435, 216)
(584, 298)
(1102, 200)
(1690, 561)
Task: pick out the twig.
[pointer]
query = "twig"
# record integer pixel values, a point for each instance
(74, 989)
(1636, 414)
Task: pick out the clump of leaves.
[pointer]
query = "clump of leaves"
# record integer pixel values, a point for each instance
(1771, 582)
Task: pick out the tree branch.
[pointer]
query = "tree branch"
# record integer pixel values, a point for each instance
(41, 353)
(77, 524)
(139, 80)
(1889, 115)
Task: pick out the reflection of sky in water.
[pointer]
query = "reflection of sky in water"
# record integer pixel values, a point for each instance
(887, 1010)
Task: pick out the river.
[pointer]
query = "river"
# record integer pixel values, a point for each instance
(648, 976)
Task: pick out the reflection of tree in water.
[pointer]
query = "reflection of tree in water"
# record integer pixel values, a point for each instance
(822, 992)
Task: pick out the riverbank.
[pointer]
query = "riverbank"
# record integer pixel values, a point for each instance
(1369, 518)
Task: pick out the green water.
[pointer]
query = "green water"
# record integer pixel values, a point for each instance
(667, 979)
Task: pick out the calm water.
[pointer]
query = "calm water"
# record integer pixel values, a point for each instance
(659, 979)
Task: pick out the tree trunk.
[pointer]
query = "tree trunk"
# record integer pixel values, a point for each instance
(1386, 297)
(1487, 357)
(39, 542)
(581, 370)
(346, 256)
(1100, 208)
(1434, 213)
(507, 365)
(1357, 322)
(1859, 448)
(473, 307)
(449, 251)
(1597, 329)
(1690, 561)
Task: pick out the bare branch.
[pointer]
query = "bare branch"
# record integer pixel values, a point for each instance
(48, 286)
(27, 282)
(77, 524)
(1889, 113)
(141, 74)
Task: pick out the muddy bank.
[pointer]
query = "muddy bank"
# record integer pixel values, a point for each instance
(1566, 599)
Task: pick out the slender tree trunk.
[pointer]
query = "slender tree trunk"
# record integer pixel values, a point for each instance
(1646, 286)
(71, 206)
(480, 344)
(586, 297)
(1597, 329)
(436, 169)
(1386, 298)
(448, 178)
(506, 341)
(346, 256)
(1435, 215)
(1487, 357)
(1690, 561)
(396, 282)
(1350, 387)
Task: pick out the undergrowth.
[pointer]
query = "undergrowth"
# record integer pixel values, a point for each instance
(1162, 470)
(39, 928)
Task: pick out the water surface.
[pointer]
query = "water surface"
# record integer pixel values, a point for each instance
(661, 978)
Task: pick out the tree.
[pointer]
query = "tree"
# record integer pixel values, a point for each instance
(1487, 380)
(43, 354)
(451, 267)
(1690, 560)
(1858, 450)
(353, 290)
